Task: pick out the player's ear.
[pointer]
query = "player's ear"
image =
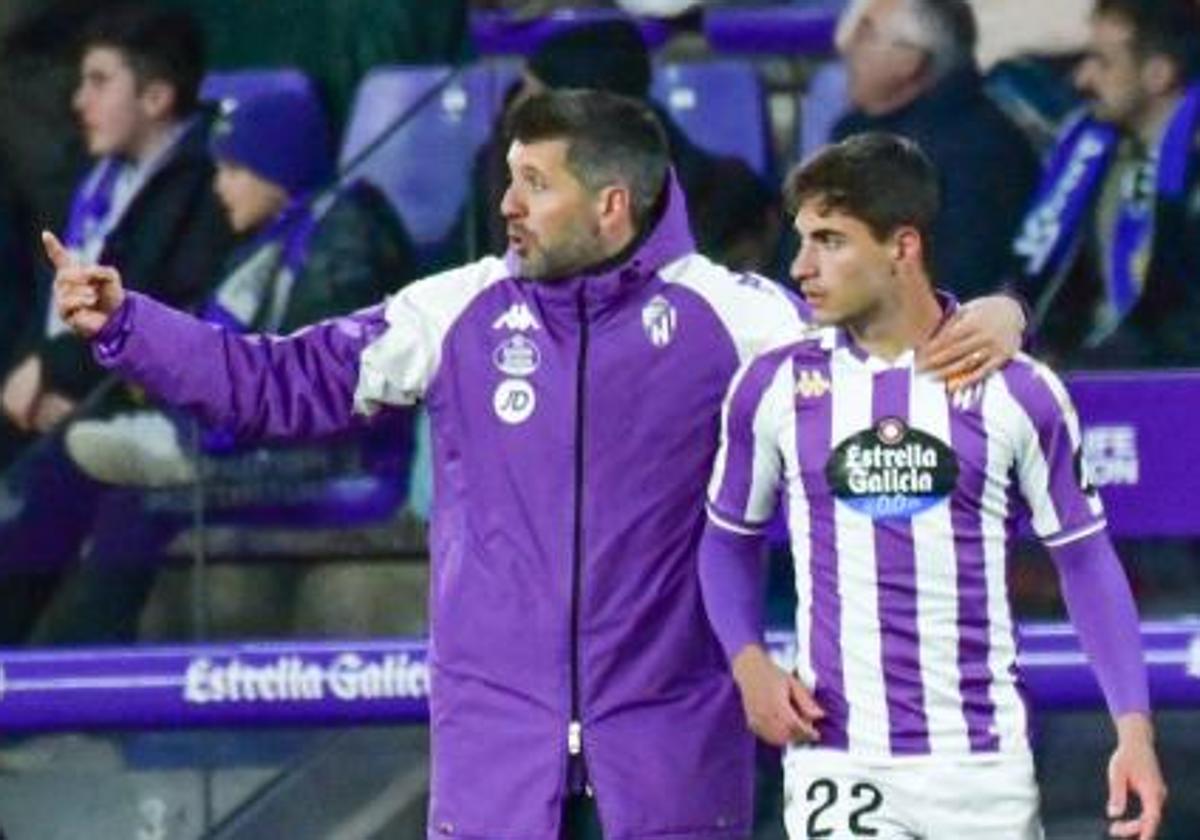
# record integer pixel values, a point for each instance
(907, 246)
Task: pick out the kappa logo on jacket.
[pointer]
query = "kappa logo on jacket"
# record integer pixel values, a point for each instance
(518, 318)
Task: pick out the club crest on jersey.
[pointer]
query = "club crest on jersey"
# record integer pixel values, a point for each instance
(517, 318)
(517, 356)
(811, 384)
(659, 320)
(891, 471)
(514, 401)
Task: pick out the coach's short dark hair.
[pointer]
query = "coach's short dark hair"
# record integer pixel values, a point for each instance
(1169, 28)
(883, 180)
(610, 139)
(160, 45)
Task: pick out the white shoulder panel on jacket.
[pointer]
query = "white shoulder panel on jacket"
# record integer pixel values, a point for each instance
(757, 312)
(398, 366)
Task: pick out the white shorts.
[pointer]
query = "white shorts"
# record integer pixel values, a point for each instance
(829, 795)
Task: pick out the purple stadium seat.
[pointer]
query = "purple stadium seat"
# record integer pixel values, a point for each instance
(719, 105)
(789, 30)
(499, 32)
(821, 104)
(424, 166)
(240, 84)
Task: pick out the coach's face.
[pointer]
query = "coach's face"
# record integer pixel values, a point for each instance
(554, 225)
(843, 271)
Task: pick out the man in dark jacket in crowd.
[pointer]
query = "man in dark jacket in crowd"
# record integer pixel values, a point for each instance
(147, 205)
(1110, 249)
(912, 72)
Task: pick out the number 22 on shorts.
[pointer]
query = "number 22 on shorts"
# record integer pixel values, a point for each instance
(822, 797)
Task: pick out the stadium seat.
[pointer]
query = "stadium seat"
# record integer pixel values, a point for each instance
(719, 104)
(802, 29)
(435, 119)
(502, 32)
(821, 104)
(240, 84)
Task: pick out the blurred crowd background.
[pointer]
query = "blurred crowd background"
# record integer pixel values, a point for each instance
(268, 164)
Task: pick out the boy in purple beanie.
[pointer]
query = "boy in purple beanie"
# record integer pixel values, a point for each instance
(270, 150)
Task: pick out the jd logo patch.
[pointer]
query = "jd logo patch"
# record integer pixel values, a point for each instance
(891, 471)
(514, 401)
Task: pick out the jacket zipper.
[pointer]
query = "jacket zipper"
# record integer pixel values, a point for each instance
(575, 727)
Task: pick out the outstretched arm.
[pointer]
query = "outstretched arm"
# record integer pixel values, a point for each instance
(255, 387)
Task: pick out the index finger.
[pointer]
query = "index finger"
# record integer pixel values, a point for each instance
(56, 251)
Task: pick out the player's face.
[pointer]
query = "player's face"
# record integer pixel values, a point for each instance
(1110, 74)
(249, 200)
(843, 271)
(112, 110)
(553, 221)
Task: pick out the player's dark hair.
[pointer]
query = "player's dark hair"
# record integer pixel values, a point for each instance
(883, 180)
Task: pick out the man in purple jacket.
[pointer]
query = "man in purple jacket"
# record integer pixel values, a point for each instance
(574, 389)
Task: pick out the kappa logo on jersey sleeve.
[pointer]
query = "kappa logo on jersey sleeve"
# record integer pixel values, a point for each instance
(891, 471)
(518, 318)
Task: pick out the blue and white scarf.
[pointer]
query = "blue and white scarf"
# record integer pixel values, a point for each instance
(256, 294)
(1054, 227)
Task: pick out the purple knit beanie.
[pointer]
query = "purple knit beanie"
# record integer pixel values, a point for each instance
(281, 136)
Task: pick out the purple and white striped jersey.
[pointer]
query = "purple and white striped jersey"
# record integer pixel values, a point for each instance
(902, 501)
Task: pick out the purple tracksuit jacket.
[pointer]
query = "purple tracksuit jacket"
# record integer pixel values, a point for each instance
(574, 426)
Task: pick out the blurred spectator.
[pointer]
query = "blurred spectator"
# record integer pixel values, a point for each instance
(1008, 28)
(735, 214)
(16, 283)
(147, 204)
(1110, 250)
(16, 297)
(312, 255)
(334, 41)
(912, 72)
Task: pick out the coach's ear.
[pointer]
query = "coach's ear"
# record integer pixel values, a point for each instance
(614, 212)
